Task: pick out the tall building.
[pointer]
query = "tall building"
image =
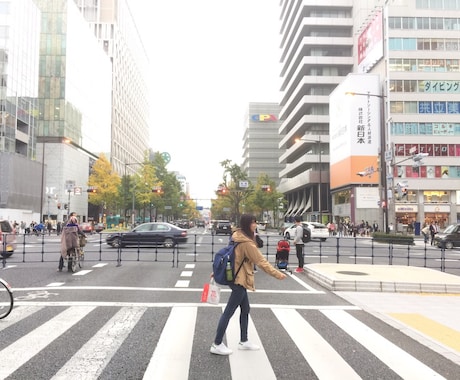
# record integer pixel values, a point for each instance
(113, 25)
(74, 108)
(260, 141)
(412, 46)
(316, 54)
(19, 62)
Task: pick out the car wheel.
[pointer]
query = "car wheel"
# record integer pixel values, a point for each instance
(169, 243)
(449, 245)
(287, 236)
(323, 239)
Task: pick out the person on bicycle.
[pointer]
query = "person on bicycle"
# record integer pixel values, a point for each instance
(72, 222)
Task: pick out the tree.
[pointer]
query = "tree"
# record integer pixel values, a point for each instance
(235, 195)
(106, 183)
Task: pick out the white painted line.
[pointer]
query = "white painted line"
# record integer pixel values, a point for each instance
(100, 265)
(20, 313)
(56, 284)
(82, 272)
(186, 273)
(9, 267)
(94, 359)
(189, 266)
(182, 284)
(23, 349)
(322, 358)
(243, 363)
(394, 357)
(305, 285)
(171, 358)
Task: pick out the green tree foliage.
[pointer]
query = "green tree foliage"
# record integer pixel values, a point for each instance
(106, 184)
(235, 196)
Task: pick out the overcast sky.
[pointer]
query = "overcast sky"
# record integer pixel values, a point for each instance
(208, 60)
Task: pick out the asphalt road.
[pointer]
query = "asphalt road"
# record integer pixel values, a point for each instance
(142, 318)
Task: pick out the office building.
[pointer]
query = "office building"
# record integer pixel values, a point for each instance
(260, 142)
(412, 46)
(19, 63)
(74, 108)
(316, 54)
(112, 23)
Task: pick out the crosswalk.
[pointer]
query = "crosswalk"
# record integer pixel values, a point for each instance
(148, 341)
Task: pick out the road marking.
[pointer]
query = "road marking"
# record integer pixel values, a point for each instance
(182, 284)
(82, 272)
(441, 333)
(23, 349)
(322, 358)
(100, 265)
(243, 363)
(94, 356)
(305, 285)
(186, 273)
(404, 364)
(55, 284)
(189, 266)
(171, 358)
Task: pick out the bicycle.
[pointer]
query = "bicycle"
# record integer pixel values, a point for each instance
(74, 241)
(6, 299)
(76, 256)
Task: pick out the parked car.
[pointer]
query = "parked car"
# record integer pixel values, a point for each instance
(149, 234)
(87, 228)
(99, 227)
(318, 231)
(222, 227)
(448, 238)
(7, 238)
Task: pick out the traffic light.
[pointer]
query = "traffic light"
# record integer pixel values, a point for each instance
(92, 189)
(59, 205)
(66, 206)
(266, 188)
(156, 189)
(222, 190)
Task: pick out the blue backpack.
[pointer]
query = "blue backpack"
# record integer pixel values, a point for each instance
(223, 260)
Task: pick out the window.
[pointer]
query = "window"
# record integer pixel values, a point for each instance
(408, 23)
(410, 86)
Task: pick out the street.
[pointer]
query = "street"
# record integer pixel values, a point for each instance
(144, 319)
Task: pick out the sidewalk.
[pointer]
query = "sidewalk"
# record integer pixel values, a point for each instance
(422, 303)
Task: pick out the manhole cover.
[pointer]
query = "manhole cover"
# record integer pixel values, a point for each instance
(352, 273)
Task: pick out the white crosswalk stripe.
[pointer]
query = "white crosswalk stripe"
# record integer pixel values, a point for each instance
(183, 339)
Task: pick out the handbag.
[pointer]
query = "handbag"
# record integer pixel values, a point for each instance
(211, 293)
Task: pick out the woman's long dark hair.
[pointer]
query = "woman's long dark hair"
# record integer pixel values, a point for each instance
(245, 224)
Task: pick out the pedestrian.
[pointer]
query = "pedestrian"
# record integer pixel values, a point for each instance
(299, 243)
(426, 233)
(246, 254)
(49, 227)
(71, 222)
(433, 231)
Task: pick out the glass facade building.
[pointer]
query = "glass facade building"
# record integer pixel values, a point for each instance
(19, 63)
(74, 119)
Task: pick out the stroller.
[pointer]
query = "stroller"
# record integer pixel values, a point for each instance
(282, 256)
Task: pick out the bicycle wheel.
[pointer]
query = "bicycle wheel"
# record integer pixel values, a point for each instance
(6, 299)
(81, 258)
(72, 262)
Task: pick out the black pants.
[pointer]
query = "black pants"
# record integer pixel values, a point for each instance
(299, 252)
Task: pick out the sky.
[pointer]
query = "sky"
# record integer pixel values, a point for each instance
(208, 59)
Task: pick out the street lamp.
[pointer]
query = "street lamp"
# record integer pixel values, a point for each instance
(318, 143)
(382, 155)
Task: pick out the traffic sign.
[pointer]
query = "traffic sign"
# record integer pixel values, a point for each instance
(244, 184)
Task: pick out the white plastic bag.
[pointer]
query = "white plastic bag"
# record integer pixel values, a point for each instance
(211, 293)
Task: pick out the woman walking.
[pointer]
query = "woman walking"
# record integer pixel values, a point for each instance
(246, 254)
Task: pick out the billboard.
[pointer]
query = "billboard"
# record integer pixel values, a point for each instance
(370, 44)
(355, 108)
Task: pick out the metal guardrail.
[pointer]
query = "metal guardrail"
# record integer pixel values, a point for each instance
(339, 250)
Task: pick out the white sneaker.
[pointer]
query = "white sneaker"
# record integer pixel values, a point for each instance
(220, 349)
(248, 346)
